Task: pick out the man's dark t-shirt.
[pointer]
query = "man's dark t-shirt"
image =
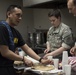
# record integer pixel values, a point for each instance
(4, 40)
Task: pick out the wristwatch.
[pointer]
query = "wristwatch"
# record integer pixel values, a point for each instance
(40, 59)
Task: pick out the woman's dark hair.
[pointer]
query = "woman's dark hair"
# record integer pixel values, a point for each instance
(54, 12)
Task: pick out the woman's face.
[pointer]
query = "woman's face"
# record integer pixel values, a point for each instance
(55, 21)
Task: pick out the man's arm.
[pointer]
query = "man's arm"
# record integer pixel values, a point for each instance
(32, 54)
(73, 50)
(5, 52)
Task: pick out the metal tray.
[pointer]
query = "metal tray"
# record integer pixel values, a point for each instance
(54, 71)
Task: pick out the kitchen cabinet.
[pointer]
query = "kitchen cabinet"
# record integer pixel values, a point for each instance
(44, 3)
(33, 2)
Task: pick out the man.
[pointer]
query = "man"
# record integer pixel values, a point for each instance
(71, 4)
(59, 36)
(10, 39)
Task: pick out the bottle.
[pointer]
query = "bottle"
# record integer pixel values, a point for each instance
(21, 52)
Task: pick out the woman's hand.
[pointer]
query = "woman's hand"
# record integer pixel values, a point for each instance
(46, 50)
(46, 56)
(46, 61)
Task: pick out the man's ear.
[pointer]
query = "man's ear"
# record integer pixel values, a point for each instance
(8, 13)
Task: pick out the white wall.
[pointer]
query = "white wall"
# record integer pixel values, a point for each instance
(41, 20)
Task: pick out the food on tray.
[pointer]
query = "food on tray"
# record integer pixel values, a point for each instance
(18, 63)
(43, 67)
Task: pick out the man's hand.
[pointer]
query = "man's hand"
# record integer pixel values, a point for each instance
(27, 62)
(72, 51)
